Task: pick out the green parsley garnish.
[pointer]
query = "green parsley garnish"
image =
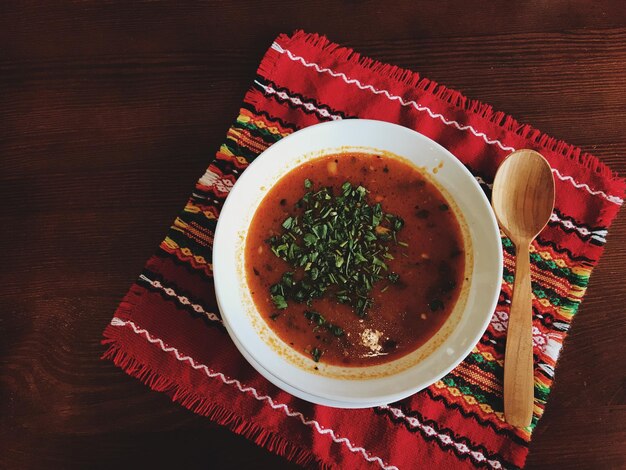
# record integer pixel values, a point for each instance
(279, 302)
(316, 353)
(340, 243)
(319, 320)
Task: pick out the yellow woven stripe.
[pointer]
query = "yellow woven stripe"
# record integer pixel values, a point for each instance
(244, 138)
(194, 231)
(193, 209)
(488, 356)
(171, 246)
(485, 408)
(574, 294)
(258, 122)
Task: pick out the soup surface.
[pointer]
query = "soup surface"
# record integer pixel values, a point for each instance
(355, 259)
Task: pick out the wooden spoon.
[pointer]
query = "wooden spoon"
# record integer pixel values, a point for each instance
(523, 200)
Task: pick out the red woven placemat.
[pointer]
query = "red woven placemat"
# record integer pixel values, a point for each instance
(167, 331)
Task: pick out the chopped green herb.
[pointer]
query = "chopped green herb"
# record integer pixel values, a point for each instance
(398, 223)
(317, 319)
(287, 279)
(279, 302)
(393, 277)
(335, 330)
(316, 353)
(309, 239)
(378, 262)
(340, 241)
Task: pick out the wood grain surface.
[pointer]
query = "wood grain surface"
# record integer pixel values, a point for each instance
(110, 111)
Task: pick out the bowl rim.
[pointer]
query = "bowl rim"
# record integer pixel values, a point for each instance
(357, 402)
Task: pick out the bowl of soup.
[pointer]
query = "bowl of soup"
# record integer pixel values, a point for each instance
(356, 262)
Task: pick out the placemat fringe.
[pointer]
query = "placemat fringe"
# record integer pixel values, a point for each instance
(450, 96)
(457, 422)
(205, 407)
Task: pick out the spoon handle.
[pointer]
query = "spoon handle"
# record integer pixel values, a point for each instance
(518, 358)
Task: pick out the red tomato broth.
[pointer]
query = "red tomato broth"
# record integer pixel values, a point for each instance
(430, 268)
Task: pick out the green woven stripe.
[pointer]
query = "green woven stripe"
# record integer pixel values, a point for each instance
(237, 149)
(543, 292)
(258, 131)
(467, 388)
(550, 266)
(491, 367)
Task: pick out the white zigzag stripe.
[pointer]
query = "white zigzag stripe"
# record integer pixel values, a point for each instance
(613, 199)
(596, 234)
(376, 91)
(181, 298)
(445, 439)
(298, 102)
(252, 391)
(198, 308)
(351, 81)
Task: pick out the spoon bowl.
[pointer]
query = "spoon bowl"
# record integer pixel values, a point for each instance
(523, 200)
(523, 195)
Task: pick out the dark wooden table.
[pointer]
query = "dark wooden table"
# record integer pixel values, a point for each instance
(109, 112)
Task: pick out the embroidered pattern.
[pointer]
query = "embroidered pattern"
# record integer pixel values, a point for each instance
(471, 394)
(252, 391)
(441, 117)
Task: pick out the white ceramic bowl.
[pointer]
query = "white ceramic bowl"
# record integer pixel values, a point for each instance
(257, 342)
